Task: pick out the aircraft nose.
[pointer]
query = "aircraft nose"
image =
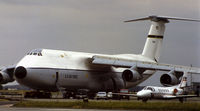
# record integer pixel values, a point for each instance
(20, 72)
(139, 94)
(143, 94)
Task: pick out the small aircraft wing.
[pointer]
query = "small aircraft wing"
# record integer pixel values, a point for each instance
(134, 95)
(178, 96)
(186, 96)
(104, 60)
(169, 97)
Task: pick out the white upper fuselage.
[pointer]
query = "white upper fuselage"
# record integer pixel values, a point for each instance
(70, 60)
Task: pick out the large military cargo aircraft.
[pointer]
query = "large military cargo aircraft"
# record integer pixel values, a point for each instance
(52, 70)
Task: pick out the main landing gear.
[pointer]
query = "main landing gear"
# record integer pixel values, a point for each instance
(68, 94)
(37, 94)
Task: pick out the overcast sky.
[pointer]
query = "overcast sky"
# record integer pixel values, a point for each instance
(97, 26)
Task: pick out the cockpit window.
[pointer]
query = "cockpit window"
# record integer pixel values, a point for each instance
(149, 88)
(144, 88)
(36, 52)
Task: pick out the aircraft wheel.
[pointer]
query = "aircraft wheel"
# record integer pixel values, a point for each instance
(144, 100)
(85, 100)
(181, 100)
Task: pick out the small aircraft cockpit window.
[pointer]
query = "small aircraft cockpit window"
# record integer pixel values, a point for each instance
(150, 88)
(36, 52)
(144, 88)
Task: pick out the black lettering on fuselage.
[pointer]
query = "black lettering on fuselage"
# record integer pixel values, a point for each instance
(70, 76)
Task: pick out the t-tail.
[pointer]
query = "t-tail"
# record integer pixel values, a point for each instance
(152, 47)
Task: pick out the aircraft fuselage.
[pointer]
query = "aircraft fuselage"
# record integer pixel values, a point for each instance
(45, 69)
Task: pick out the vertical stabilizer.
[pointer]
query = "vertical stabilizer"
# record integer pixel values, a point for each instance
(183, 82)
(154, 40)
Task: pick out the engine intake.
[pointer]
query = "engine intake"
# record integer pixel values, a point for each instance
(20, 72)
(5, 78)
(131, 75)
(169, 79)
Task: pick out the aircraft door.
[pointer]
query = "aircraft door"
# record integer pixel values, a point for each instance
(57, 76)
(57, 79)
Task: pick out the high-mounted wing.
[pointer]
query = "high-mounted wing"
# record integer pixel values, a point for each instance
(112, 61)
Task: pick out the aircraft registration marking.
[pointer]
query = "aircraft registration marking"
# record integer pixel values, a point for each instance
(69, 76)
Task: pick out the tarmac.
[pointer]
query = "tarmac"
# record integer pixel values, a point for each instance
(52, 109)
(7, 105)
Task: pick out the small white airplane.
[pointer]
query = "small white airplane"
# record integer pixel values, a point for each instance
(174, 92)
(52, 70)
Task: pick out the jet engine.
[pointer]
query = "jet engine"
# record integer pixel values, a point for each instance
(169, 79)
(131, 75)
(5, 78)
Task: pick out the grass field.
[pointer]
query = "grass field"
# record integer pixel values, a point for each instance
(3, 100)
(126, 105)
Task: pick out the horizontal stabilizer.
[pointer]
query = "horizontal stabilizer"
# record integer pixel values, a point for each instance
(161, 18)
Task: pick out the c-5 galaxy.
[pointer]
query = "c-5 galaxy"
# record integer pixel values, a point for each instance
(52, 70)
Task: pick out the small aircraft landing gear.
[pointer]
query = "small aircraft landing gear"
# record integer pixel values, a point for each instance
(182, 99)
(144, 100)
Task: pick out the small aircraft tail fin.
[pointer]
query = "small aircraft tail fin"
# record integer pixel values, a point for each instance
(183, 82)
(154, 40)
